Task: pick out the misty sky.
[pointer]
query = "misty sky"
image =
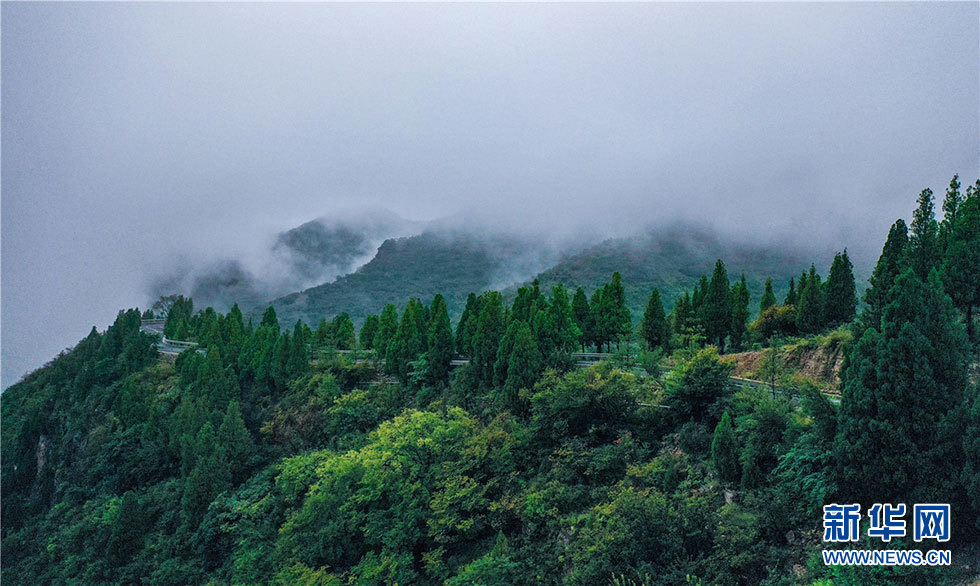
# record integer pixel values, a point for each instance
(133, 134)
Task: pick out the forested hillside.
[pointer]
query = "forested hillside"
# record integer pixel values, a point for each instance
(415, 452)
(456, 264)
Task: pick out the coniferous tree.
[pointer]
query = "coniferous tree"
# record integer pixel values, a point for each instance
(791, 297)
(126, 535)
(840, 303)
(901, 419)
(810, 308)
(891, 264)
(299, 356)
(387, 329)
(951, 207)
(654, 325)
(342, 332)
(368, 331)
(555, 329)
(407, 346)
(618, 314)
(768, 297)
(740, 312)
(236, 442)
(717, 307)
(961, 267)
(502, 362)
(489, 329)
(269, 318)
(523, 366)
(682, 313)
(466, 328)
(583, 316)
(600, 325)
(440, 351)
(923, 243)
(724, 451)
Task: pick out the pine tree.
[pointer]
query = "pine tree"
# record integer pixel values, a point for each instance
(923, 243)
(466, 328)
(598, 310)
(791, 298)
(682, 313)
(891, 264)
(654, 325)
(126, 534)
(555, 329)
(387, 329)
(840, 304)
(368, 331)
(489, 330)
(717, 307)
(269, 318)
(236, 442)
(523, 367)
(951, 207)
(961, 267)
(618, 314)
(583, 316)
(810, 308)
(768, 298)
(407, 346)
(901, 419)
(740, 312)
(299, 356)
(502, 362)
(342, 332)
(724, 451)
(440, 352)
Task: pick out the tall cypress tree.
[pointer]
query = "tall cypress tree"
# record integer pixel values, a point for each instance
(923, 243)
(368, 331)
(654, 325)
(717, 307)
(901, 418)
(840, 304)
(791, 297)
(724, 451)
(740, 312)
(466, 328)
(768, 297)
(387, 329)
(269, 318)
(489, 330)
(407, 346)
(951, 207)
(961, 274)
(598, 310)
(523, 367)
(583, 316)
(440, 352)
(891, 264)
(809, 309)
(682, 313)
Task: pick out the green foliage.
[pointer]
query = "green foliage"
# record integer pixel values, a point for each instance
(923, 240)
(716, 310)
(911, 371)
(697, 389)
(740, 313)
(724, 451)
(387, 329)
(248, 462)
(768, 297)
(654, 328)
(891, 263)
(368, 331)
(840, 305)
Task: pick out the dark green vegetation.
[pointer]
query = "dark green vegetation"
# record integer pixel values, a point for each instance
(455, 264)
(272, 456)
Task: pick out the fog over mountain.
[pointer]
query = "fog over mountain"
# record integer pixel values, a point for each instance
(149, 147)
